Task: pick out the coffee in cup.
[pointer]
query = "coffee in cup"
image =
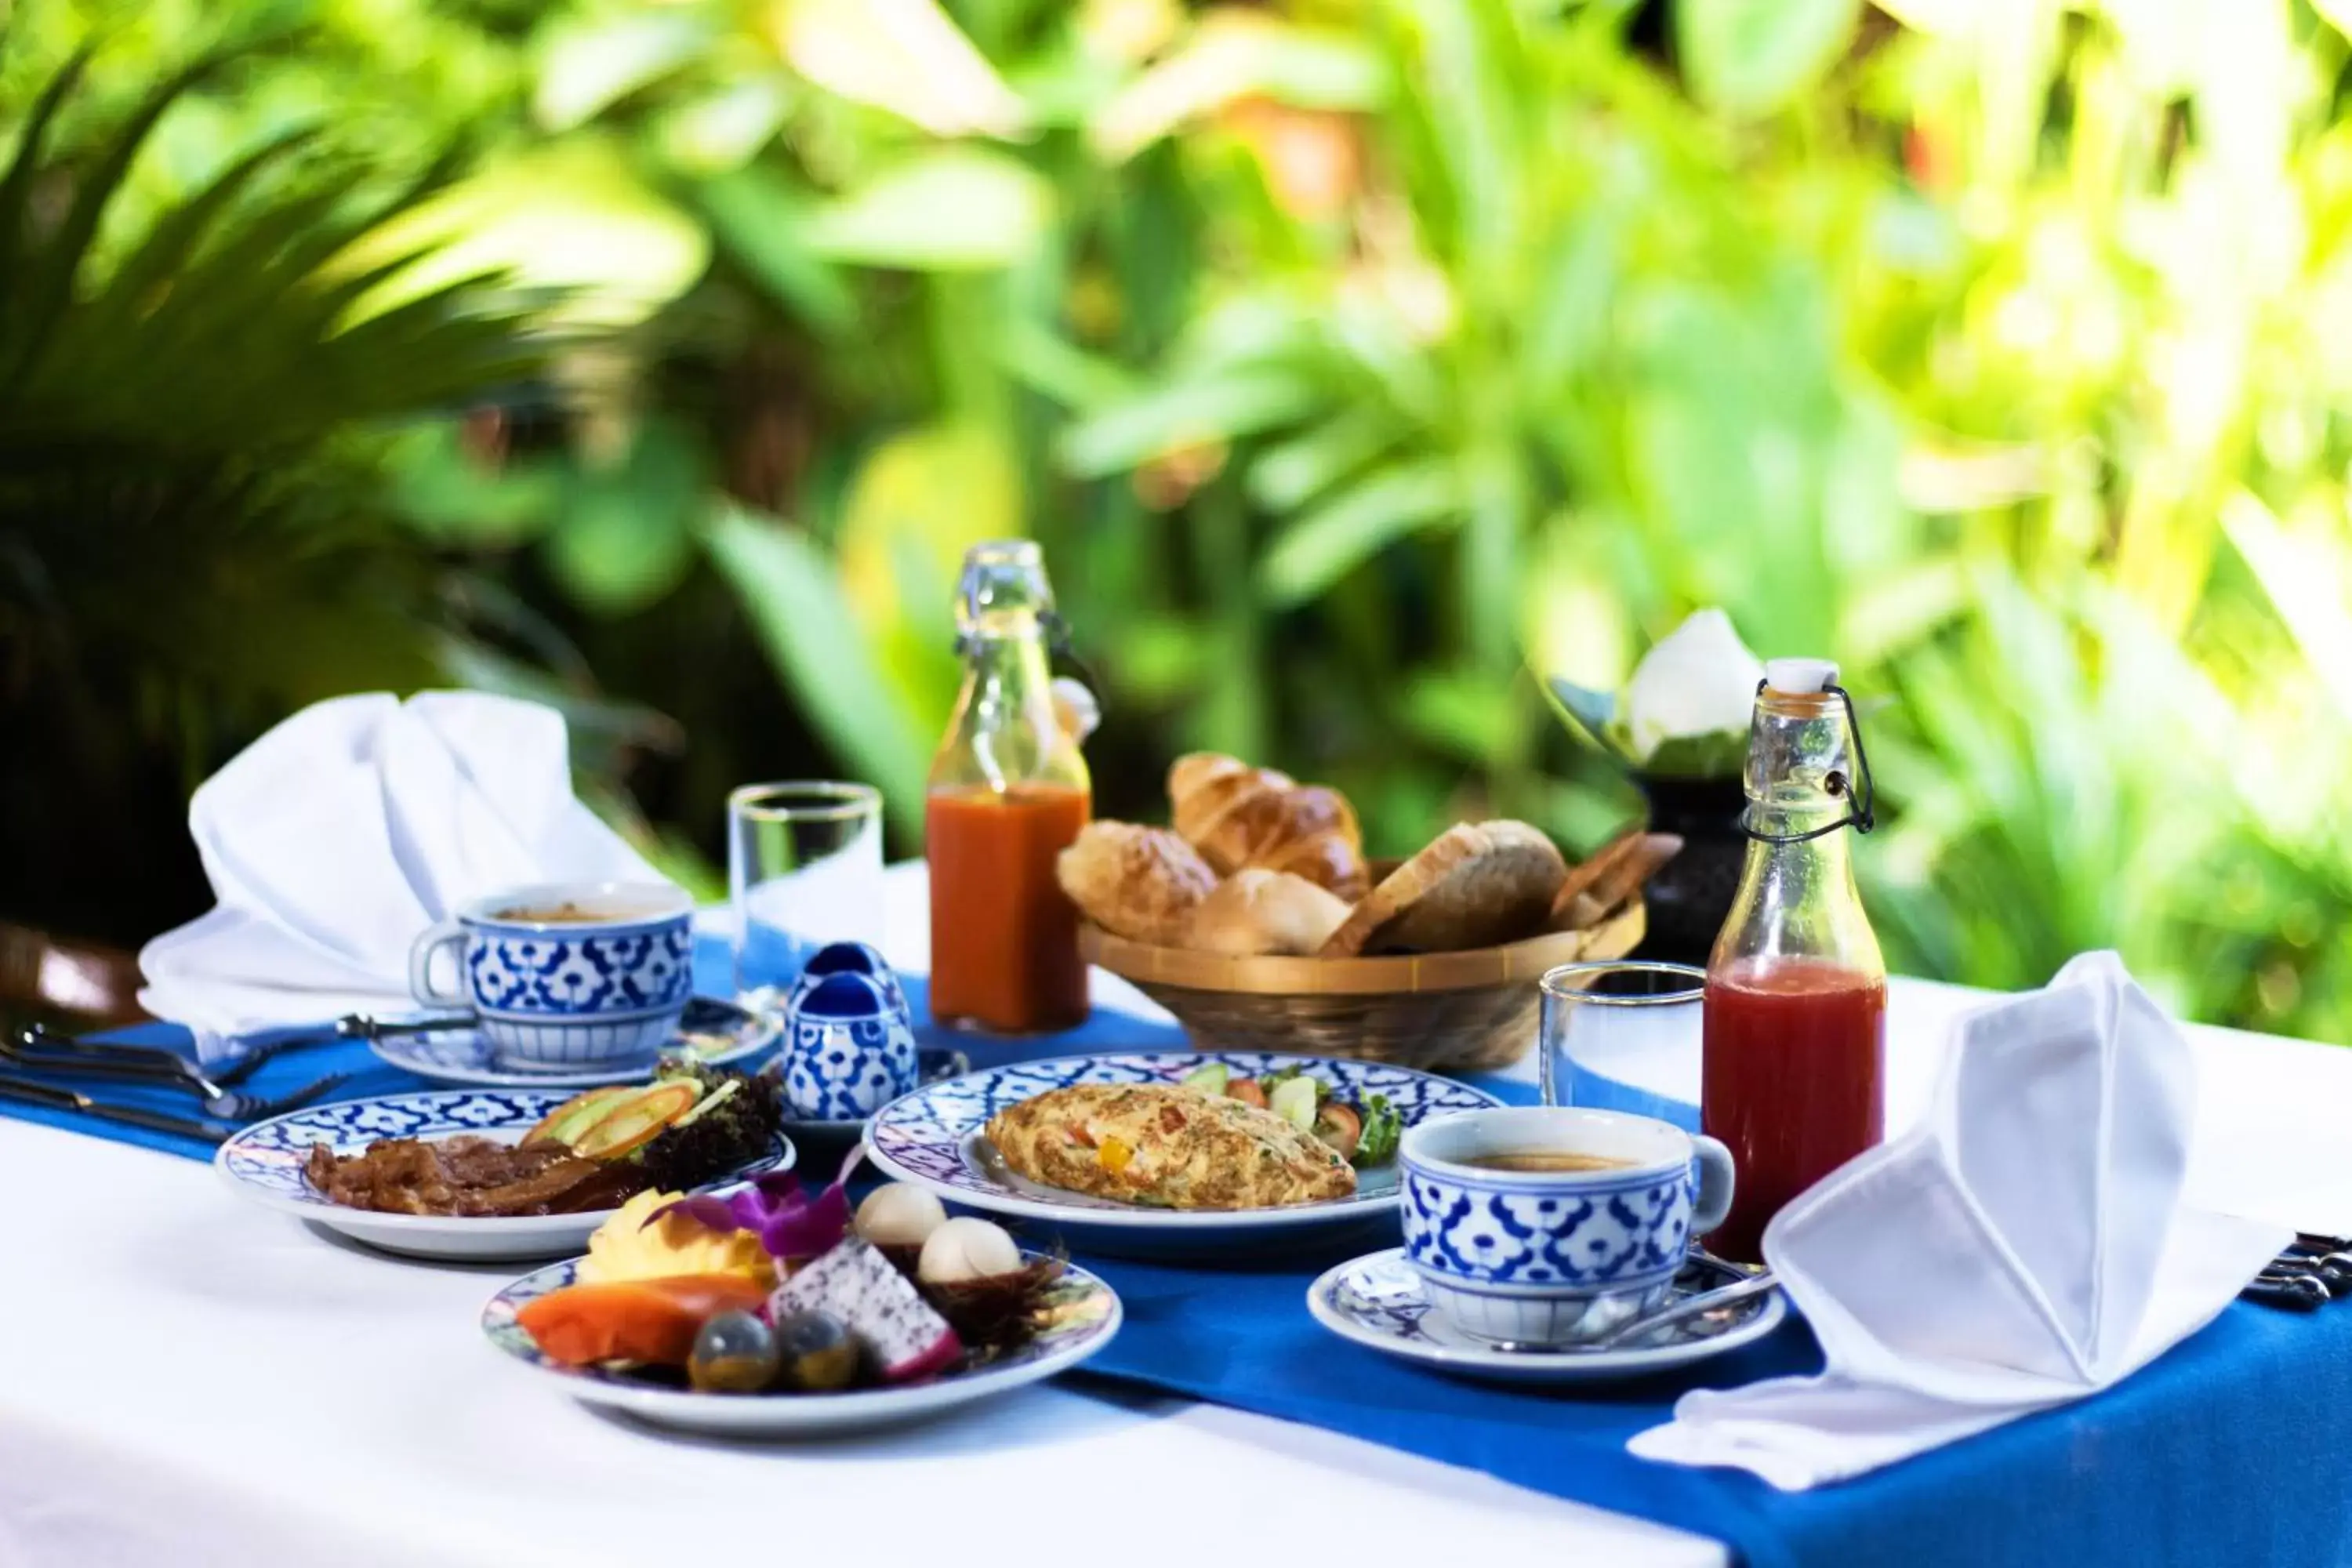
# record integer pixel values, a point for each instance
(566, 975)
(1550, 1226)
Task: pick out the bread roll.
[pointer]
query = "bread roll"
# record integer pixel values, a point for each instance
(1474, 886)
(1141, 883)
(1255, 910)
(1239, 816)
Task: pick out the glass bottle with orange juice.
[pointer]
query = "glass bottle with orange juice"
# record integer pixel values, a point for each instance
(1009, 791)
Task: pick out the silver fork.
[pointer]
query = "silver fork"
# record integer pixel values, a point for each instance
(350, 1027)
(35, 1050)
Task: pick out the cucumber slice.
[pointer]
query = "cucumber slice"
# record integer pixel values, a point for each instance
(568, 1120)
(1294, 1101)
(635, 1121)
(709, 1102)
(1209, 1077)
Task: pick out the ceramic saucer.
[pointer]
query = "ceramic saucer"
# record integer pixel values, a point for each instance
(935, 1063)
(265, 1163)
(1086, 1316)
(715, 1033)
(1377, 1301)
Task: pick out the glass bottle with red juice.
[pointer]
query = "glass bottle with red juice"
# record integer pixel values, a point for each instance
(1794, 1022)
(1009, 790)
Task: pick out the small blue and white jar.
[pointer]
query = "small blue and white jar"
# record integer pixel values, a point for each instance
(849, 1047)
(1555, 1256)
(845, 958)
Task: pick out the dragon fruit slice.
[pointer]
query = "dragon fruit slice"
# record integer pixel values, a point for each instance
(857, 1284)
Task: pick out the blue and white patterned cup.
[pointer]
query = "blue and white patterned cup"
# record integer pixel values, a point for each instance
(1555, 1256)
(849, 1047)
(566, 975)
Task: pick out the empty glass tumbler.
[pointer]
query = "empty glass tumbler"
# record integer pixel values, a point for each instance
(805, 865)
(1623, 1035)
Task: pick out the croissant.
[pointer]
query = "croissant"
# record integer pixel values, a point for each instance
(1237, 815)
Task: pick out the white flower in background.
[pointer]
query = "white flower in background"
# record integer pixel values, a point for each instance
(1700, 681)
(903, 56)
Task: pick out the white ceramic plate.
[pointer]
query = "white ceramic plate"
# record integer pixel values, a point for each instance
(264, 1163)
(1377, 1301)
(935, 1137)
(1091, 1316)
(713, 1033)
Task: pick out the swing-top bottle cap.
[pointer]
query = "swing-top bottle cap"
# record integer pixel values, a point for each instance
(1800, 677)
(1003, 585)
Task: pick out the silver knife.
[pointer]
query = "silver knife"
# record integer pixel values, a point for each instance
(55, 1099)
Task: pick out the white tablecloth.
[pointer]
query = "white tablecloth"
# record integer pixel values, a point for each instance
(188, 1380)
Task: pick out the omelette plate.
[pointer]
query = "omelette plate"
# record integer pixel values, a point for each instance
(936, 1138)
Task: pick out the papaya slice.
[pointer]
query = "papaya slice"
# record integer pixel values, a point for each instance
(651, 1321)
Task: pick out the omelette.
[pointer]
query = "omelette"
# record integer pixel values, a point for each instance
(1167, 1146)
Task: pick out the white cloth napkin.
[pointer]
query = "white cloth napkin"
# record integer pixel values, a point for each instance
(338, 836)
(2024, 1246)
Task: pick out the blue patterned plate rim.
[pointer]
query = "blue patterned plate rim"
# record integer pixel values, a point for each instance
(461, 1056)
(931, 1136)
(1400, 1333)
(264, 1161)
(1055, 1349)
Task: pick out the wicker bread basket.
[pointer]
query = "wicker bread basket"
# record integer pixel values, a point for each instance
(1442, 1011)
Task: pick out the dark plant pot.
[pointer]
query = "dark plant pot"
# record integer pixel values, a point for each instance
(1690, 896)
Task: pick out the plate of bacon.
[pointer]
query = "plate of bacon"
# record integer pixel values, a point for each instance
(504, 1173)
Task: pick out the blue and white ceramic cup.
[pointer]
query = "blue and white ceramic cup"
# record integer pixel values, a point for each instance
(1555, 1256)
(849, 1047)
(566, 975)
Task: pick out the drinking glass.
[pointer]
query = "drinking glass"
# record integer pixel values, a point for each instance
(1623, 1035)
(805, 865)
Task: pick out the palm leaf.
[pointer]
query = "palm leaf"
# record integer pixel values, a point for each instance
(191, 446)
(16, 189)
(39, 288)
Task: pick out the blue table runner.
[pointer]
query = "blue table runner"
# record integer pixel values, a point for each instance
(370, 1075)
(2227, 1452)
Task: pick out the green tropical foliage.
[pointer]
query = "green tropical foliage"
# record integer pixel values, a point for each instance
(1361, 363)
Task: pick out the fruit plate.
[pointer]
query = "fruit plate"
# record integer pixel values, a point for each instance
(264, 1164)
(1087, 1314)
(936, 1137)
(712, 1033)
(1378, 1302)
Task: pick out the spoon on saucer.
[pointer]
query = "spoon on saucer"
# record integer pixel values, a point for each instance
(1689, 1307)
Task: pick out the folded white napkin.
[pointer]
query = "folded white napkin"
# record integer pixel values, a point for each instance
(336, 838)
(2024, 1246)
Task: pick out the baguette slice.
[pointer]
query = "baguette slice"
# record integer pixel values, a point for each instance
(1473, 887)
(1631, 859)
(1581, 878)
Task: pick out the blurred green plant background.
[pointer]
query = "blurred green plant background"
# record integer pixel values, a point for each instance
(1358, 363)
